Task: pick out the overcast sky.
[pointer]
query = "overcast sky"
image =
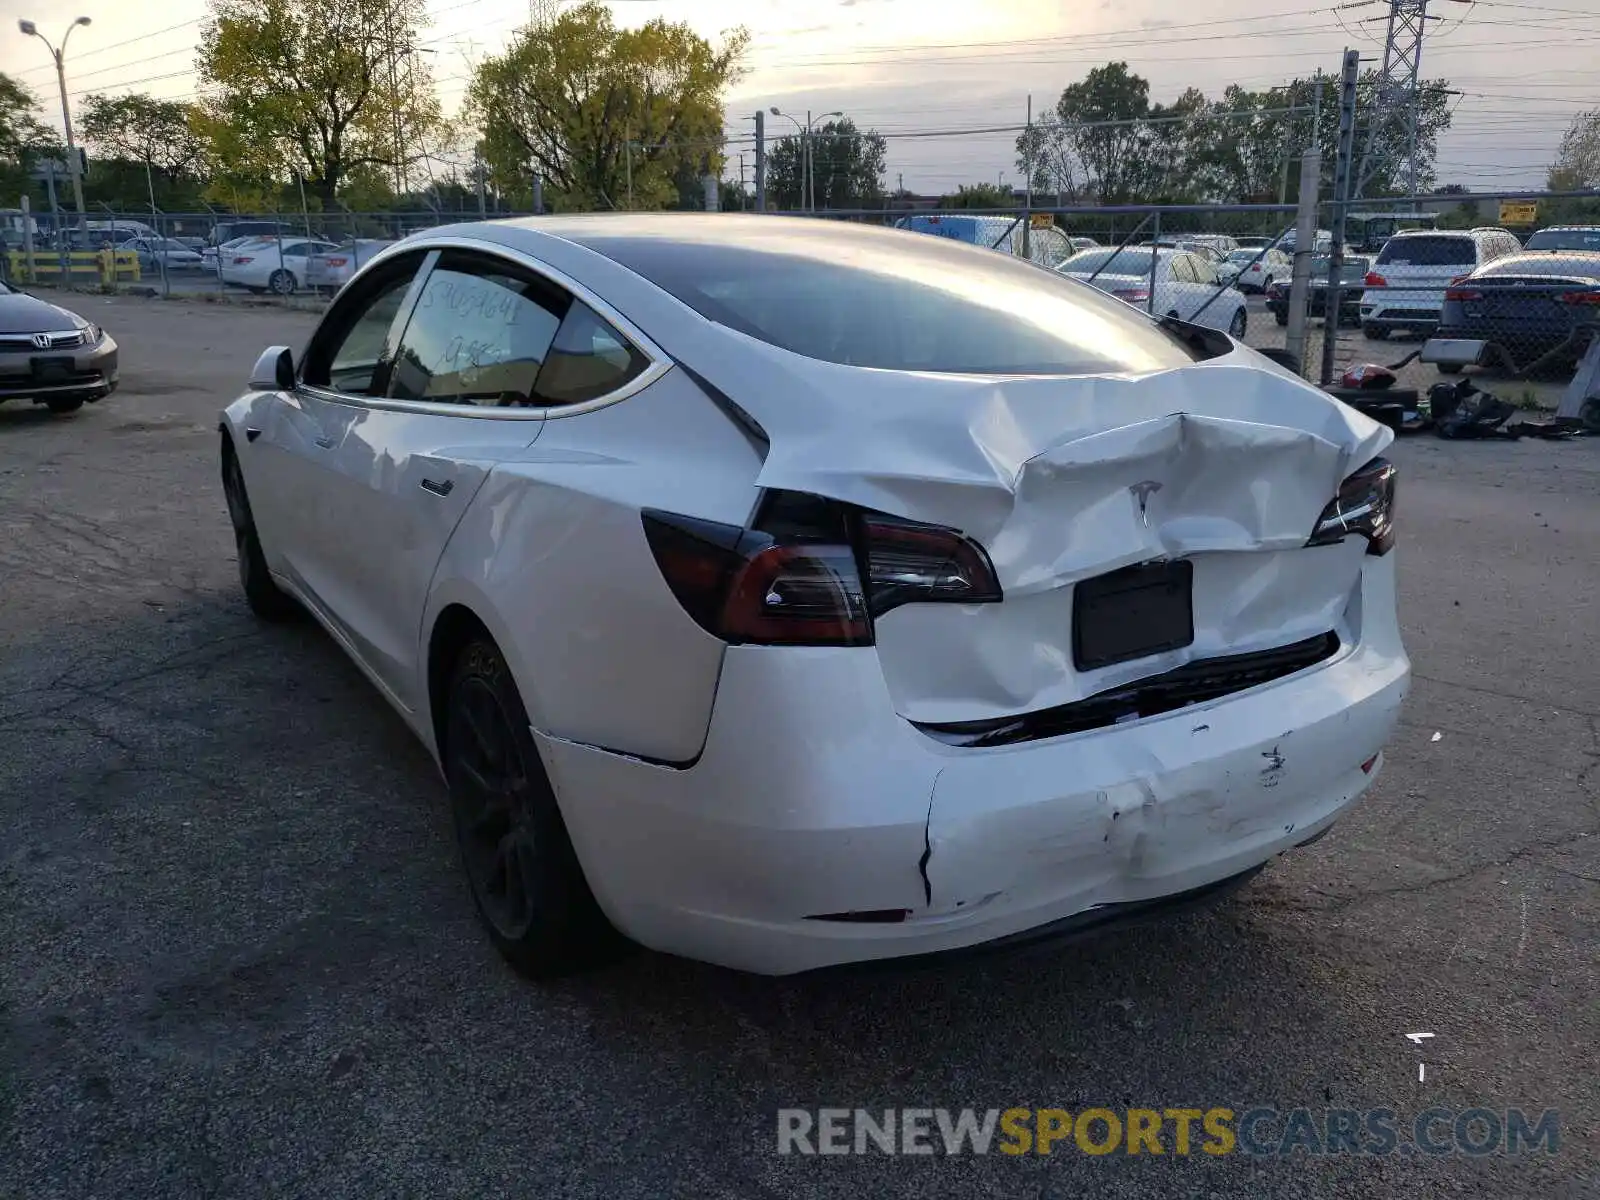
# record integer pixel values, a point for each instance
(906, 66)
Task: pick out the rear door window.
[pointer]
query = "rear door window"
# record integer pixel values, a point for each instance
(1429, 252)
(1183, 269)
(479, 334)
(587, 359)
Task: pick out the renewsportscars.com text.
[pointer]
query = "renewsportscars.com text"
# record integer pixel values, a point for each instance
(1175, 1131)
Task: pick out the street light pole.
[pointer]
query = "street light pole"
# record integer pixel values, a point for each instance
(32, 30)
(808, 197)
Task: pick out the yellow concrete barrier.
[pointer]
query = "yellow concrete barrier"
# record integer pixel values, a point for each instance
(108, 267)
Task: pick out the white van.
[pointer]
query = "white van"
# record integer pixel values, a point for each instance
(1405, 288)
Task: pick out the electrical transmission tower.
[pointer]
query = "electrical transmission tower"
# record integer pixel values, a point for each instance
(1396, 105)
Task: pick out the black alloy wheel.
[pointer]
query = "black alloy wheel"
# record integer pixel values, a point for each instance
(525, 877)
(265, 598)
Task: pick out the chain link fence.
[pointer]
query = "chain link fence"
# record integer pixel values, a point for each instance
(1522, 303)
(273, 255)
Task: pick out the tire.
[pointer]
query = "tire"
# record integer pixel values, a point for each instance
(1375, 332)
(266, 600)
(525, 878)
(1238, 325)
(282, 282)
(1589, 414)
(64, 404)
(1449, 368)
(1282, 318)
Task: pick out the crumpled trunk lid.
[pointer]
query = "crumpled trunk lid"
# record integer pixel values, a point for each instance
(1225, 464)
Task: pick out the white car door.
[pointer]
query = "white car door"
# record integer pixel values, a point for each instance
(466, 385)
(1187, 294)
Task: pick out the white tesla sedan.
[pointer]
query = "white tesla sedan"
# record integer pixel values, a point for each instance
(787, 593)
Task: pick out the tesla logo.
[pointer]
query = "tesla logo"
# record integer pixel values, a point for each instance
(1142, 492)
(42, 340)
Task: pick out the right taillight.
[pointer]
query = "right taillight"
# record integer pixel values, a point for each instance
(1373, 279)
(1459, 293)
(811, 572)
(1364, 507)
(1132, 295)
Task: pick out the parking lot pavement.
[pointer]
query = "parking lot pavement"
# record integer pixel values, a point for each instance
(239, 960)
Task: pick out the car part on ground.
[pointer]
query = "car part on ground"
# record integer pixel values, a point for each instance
(883, 493)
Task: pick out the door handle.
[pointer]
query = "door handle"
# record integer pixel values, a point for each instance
(438, 489)
(325, 442)
(251, 433)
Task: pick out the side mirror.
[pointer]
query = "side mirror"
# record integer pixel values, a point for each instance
(274, 370)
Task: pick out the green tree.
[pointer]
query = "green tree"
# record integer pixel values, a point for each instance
(1577, 164)
(846, 168)
(315, 88)
(24, 139)
(1094, 140)
(590, 108)
(979, 195)
(138, 127)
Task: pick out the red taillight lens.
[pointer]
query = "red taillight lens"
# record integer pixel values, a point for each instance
(1580, 297)
(1462, 294)
(239, 262)
(911, 563)
(1364, 506)
(337, 262)
(1373, 279)
(796, 578)
(1132, 295)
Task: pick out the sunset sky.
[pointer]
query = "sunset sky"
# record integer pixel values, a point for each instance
(910, 66)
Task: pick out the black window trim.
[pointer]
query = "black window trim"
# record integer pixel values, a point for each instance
(657, 363)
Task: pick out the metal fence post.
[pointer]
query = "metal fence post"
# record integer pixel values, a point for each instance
(1341, 204)
(1305, 237)
(1155, 259)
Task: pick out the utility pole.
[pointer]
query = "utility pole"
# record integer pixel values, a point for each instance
(761, 161)
(741, 182)
(627, 149)
(1305, 239)
(74, 165)
(478, 173)
(1342, 191)
(1397, 107)
(811, 196)
(1027, 195)
(393, 49)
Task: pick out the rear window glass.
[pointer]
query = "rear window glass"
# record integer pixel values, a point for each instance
(1109, 262)
(1564, 239)
(899, 302)
(1523, 264)
(1428, 251)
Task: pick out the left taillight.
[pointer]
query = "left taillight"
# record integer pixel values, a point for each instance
(1364, 507)
(812, 572)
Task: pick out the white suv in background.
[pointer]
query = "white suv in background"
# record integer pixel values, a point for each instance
(1405, 288)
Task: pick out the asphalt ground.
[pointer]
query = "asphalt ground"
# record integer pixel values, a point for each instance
(237, 958)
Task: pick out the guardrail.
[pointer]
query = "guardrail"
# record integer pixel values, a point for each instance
(108, 267)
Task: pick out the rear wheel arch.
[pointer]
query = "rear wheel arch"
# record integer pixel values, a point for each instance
(456, 627)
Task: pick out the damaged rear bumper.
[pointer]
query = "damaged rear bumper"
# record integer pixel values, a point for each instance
(814, 798)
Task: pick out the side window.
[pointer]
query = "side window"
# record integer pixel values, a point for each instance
(588, 359)
(353, 346)
(479, 335)
(1183, 269)
(1204, 271)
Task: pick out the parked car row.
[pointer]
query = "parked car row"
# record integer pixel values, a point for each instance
(1164, 281)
